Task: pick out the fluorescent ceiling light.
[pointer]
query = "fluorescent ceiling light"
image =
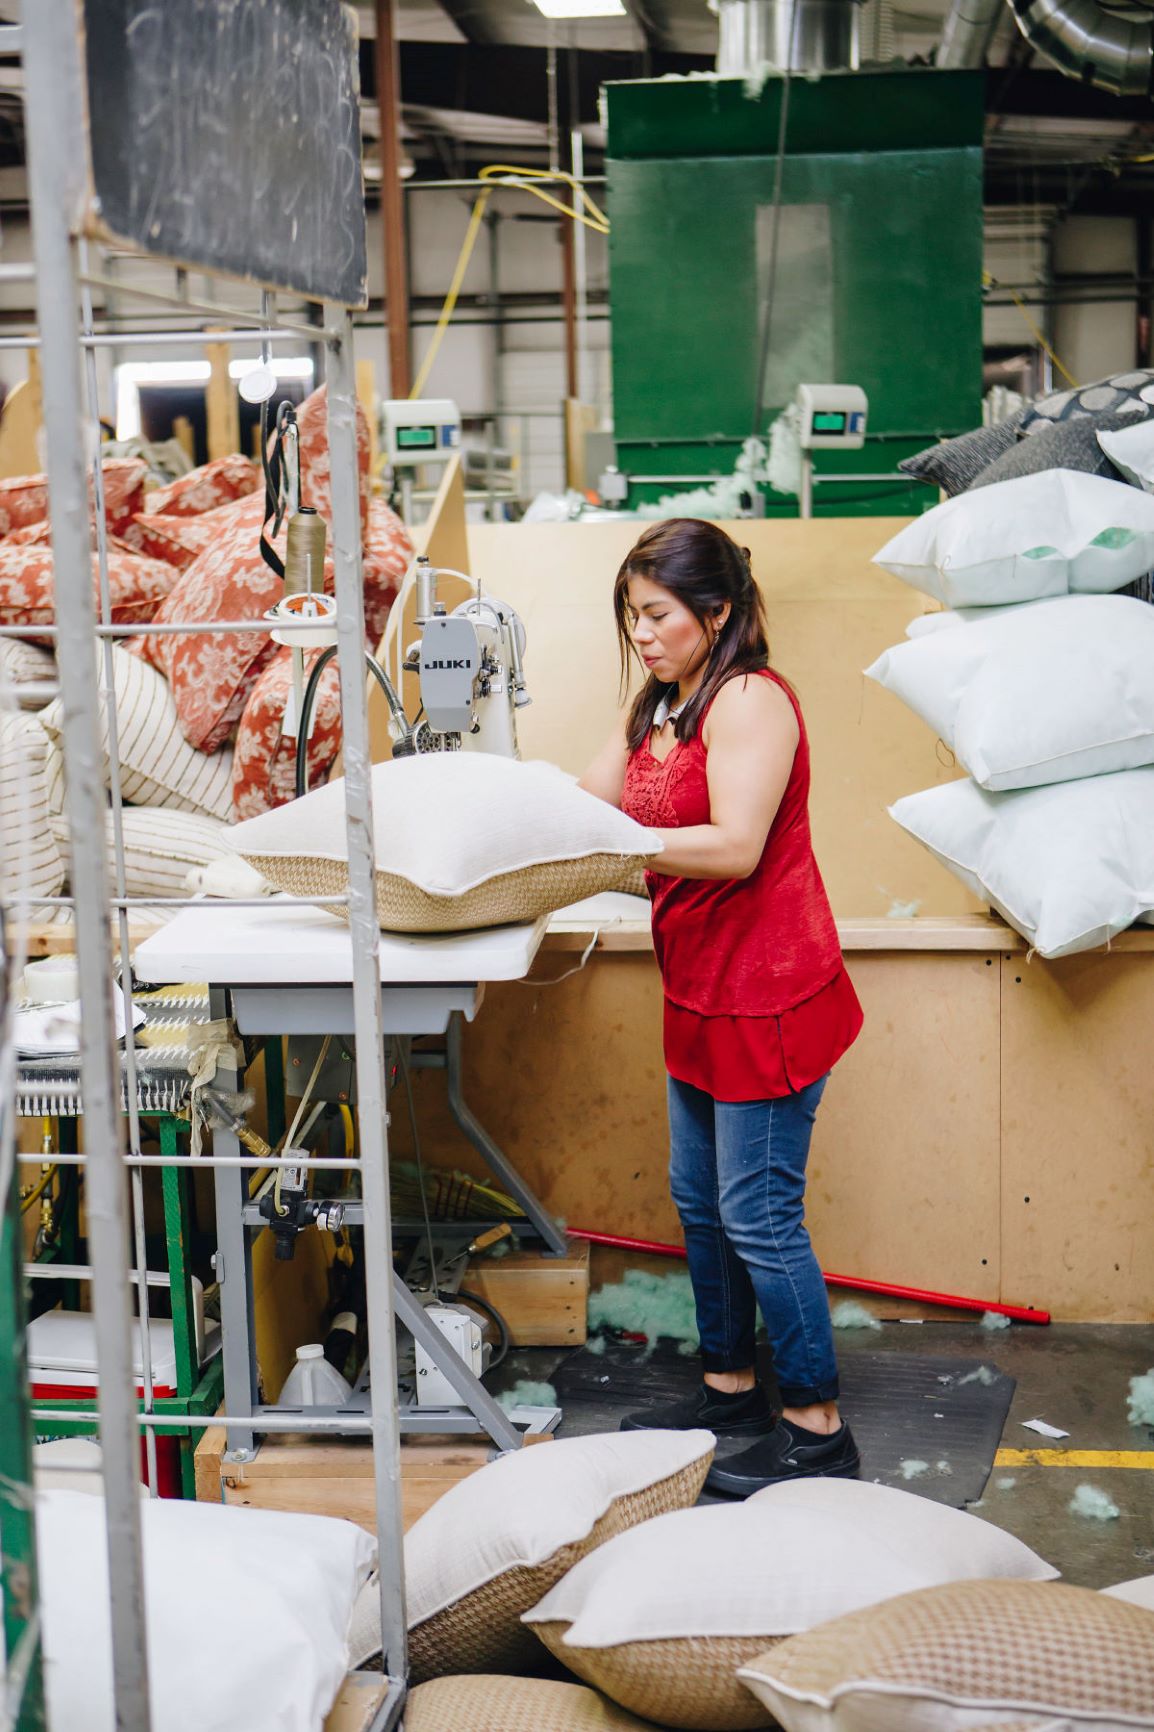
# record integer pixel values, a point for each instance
(580, 8)
(131, 375)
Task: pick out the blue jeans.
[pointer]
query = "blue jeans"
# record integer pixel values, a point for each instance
(737, 1173)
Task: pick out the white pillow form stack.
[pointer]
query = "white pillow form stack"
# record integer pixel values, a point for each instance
(1036, 536)
(1048, 704)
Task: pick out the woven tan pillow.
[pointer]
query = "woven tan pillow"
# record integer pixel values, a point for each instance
(973, 1653)
(500, 1539)
(488, 1703)
(688, 1681)
(463, 840)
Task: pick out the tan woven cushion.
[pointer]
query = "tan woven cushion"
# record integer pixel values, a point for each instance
(687, 1681)
(965, 1656)
(489, 1703)
(463, 840)
(500, 1539)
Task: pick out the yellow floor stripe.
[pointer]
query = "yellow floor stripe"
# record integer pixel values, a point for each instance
(1141, 1458)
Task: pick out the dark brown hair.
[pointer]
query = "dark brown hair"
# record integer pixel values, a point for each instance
(704, 568)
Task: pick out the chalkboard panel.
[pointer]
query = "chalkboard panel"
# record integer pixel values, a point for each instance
(225, 135)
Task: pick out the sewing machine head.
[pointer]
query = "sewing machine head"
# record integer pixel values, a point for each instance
(471, 675)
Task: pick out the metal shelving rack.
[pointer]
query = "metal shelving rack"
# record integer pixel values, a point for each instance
(51, 41)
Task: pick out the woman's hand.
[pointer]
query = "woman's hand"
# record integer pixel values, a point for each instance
(750, 739)
(605, 776)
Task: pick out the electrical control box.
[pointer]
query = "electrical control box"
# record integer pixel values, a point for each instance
(462, 1330)
(425, 430)
(833, 417)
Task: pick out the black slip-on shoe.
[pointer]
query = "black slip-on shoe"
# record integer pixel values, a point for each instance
(784, 1455)
(748, 1416)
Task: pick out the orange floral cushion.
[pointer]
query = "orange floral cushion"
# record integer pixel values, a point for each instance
(388, 551)
(27, 594)
(264, 761)
(177, 540)
(316, 475)
(203, 489)
(24, 498)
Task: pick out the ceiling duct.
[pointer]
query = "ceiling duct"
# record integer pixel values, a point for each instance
(967, 33)
(1113, 49)
(786, 35)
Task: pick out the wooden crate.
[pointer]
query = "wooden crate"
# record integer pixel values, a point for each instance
(334, 1477)
(542, 1299)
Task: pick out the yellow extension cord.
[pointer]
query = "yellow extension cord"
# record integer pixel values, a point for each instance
(530, 180)
(990, 282)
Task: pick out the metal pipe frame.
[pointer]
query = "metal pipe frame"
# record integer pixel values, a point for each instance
(57, 157)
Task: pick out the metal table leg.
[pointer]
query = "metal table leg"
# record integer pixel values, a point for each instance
(233, 1266)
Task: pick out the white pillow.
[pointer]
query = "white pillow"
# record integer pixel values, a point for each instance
(463, 839)
(158, 767)
(245, 1610)
(1139, 1592)
(1026, 539)
(1042, 693)
(1131, 449)
(705, 1589)
(30, 861)
(1068, 866)
(497, 1540)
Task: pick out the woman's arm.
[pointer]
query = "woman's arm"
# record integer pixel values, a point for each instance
(750, 738)
(605, 776)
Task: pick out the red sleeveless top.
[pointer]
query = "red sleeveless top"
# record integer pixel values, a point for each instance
(758, 1003)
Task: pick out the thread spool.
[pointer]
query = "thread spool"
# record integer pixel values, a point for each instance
(304, 559)
(53, 980)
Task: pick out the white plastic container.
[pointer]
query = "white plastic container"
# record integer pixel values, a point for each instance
(313, 1382)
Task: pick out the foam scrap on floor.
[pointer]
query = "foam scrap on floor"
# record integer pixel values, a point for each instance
(994, 1320)
(848, 1314)
(1140, 1407)
(1094, 1504)
(526, 1393)
(649, 1305)
(942, 1467)
(1006, 1483)
(595, 1344)
(912, 1468)
(984, 1375)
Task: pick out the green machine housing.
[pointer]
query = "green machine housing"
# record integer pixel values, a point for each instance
(877, 281)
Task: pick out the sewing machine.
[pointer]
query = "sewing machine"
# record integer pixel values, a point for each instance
(472, 680)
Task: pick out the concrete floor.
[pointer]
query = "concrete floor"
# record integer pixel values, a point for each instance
(1072, 1375)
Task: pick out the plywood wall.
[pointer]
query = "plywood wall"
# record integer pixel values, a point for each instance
(831, 613)
(988, 1135)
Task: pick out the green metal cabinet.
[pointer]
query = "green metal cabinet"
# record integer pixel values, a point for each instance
(878, 283)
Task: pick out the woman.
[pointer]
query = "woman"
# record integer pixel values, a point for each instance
(713, 755)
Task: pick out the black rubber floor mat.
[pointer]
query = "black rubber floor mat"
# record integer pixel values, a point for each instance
(928, 1423)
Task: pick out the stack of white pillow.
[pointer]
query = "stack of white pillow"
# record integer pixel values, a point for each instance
(1041, 681)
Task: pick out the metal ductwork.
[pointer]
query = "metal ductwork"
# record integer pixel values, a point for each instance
(786, 35)
(1113, 49)
(967, 33)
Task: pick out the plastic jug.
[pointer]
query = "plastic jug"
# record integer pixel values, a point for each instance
(313, 1382)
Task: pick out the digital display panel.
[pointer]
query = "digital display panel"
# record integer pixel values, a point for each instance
(829, 421)
(416, 438)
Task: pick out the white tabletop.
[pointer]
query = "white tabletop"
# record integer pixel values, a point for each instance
(229, 946)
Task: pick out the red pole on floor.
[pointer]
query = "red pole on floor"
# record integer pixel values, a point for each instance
(923, 1295)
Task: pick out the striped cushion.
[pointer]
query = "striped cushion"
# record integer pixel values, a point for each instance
(160, 848)
(30, 862)
(25, 664)
(157, 765)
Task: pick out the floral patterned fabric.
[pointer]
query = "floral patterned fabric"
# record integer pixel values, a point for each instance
(203, 489)
(316, 474)
(264, 762)
(24, 498)
(212, 675)
(27, 597)
(388, 551)
(177, 540)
